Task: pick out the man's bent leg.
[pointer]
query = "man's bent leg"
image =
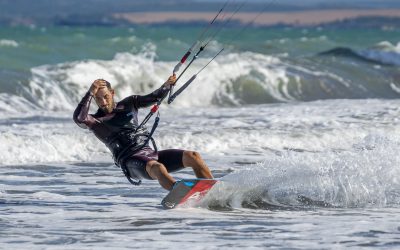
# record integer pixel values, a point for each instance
(157, 171)
(193, 159)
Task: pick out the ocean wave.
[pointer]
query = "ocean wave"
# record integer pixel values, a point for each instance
(37, 138)
(15, 104)
(8, 43)
(383, 53)
(232, 79)
(60, 87)
(252, 132)
(387, 46)
(364, 177)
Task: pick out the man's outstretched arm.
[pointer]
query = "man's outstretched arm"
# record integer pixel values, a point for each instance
(155, 96)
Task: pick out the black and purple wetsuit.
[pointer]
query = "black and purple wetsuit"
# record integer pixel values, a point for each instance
(117, 130)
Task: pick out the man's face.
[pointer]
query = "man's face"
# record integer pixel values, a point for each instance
(105, 99)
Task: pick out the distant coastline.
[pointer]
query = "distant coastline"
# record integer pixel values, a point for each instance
(292, 18)
(195, 12)
(339, 18)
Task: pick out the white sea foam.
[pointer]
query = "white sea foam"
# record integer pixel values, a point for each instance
(28, 141)
(257, 131)
(15, 104)
(61, 86)
(384, 52)
(387, 46)
(48, 196)
(366, 176)
(8, 43)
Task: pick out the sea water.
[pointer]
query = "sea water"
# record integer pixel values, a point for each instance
(301, 126)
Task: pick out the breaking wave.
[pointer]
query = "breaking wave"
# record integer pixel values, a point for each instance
(384, 53)
(233, 79)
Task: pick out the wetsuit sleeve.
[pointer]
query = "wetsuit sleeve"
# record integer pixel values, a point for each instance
(81, 114)
(140, 101)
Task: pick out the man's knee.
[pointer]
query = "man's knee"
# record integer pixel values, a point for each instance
(192, 159)
(155, 169)
(192, 155)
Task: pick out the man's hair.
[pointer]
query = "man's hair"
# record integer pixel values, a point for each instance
(108, 85)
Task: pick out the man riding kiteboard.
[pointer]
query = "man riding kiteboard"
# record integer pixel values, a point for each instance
(116, 125)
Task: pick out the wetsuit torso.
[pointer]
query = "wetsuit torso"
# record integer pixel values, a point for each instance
(117, 130)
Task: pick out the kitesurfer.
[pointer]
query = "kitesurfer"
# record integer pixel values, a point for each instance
(116, 125)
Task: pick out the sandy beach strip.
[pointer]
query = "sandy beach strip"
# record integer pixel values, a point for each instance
(312, 17)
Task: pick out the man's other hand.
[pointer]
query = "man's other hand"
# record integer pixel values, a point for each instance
(96, 85)
(171, 81)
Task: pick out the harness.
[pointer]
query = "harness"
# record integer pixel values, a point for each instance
(130, 139)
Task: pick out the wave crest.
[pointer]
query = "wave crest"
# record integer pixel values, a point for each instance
(383, 53)
(232, 79)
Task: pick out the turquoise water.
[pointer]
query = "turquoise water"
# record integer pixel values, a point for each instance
(51, 45)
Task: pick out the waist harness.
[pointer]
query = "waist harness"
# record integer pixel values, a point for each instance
(128, 141)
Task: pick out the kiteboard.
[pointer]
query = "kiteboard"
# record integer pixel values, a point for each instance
(187, 189)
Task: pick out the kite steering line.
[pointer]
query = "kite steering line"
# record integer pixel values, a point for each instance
(199, 40)
(171, 97)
